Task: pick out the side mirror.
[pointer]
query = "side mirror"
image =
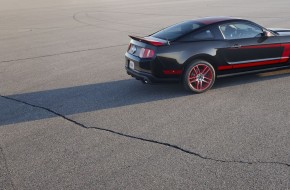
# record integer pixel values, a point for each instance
(266, 33)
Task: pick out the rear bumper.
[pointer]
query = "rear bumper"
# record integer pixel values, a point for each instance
(147, 70)
(149, 78)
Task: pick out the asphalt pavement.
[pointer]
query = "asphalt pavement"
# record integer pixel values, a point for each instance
(71, 118)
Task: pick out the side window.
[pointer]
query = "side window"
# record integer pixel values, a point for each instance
(240, 31)
(201, 35)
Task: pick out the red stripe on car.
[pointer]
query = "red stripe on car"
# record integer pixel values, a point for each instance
(172, 72)
(284, 58)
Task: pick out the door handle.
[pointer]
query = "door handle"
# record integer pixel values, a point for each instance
(236, 46)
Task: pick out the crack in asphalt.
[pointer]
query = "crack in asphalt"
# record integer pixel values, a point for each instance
(76, 19)
(62, 53)
(144, 139)
(106, 21)
(6, 166)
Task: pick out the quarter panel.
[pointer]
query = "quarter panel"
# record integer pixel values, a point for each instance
(179, 53)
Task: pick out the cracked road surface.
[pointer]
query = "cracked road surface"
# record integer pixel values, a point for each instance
(70, 117)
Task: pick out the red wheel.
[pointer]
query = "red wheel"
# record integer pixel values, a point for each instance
(199, 76)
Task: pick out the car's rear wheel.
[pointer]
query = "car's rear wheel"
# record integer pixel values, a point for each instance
(199, 76)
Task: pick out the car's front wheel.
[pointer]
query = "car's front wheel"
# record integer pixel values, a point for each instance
(199, 76)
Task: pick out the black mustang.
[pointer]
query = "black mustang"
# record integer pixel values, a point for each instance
(198, 51)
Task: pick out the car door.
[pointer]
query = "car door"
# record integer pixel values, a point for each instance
(247, 47)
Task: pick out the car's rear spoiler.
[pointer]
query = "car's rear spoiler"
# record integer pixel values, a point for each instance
(150, 40)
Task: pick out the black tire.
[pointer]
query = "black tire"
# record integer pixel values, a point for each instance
(199, 76)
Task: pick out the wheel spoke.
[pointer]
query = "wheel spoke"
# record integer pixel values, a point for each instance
(205, 70)
(192, 79)
(195, 69)
(197, 85)
(201, 85)
(207, 80)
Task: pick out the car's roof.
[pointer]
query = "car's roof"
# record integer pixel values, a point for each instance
(213, 20)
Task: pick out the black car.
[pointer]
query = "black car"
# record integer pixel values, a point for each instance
(197, 51)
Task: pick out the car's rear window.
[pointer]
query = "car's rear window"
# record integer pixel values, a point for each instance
(173, 32)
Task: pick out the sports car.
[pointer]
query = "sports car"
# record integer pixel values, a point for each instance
(196, 52)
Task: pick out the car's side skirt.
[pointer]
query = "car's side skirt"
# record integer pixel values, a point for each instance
(257, 60)
(253, 71)
(253, 63)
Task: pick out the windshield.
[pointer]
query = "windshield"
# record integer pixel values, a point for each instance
(177, 30)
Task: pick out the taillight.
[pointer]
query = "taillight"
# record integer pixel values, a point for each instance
(146, 53)
(129, 47)
(132, 48)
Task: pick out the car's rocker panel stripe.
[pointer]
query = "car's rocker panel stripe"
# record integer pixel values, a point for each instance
(252, 61)
(259, 62)
(254, 71)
